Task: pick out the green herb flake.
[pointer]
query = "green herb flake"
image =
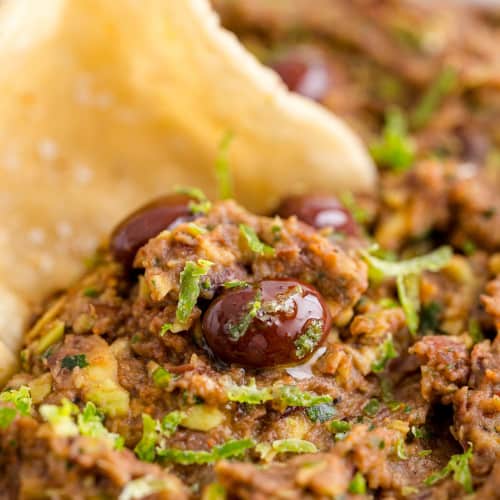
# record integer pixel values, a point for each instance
(236, 284)
(170, 422)
(200, 204)
(475, 331)
(307, 342)
(387, 352)
(339, 429)
(407, 273)
(7, 416)
(145, 448)
(253, 242)
(162, 377)
(321, 413)
(166, 327)
(287, 395)
(190, 287)
(77, 360)
(458, 465)
(394, 150)
(223, 170)
(433, 261)
(424, 453)
(401, 450)
(358, 485)
(430, 316)
(290, 395)
(372, 407)
(230, 449)
(238, 329)
(294, 446)
(431, 100)
(19, 398)
(409, 295)
(90, 423)
(249, 394)
(91, 292)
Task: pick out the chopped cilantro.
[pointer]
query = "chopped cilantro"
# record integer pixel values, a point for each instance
(170, 422)
(475, 331)
(190, 287)
(145, 448)
(238, 329)
(419, 432)
(222, 169)
(290, 395)
(339, 429)
(249, 394)
(321, 413)
(20, 398)
(407, 277)
(200, 203)
(89, 423)
(153, 430)
(236, 284)
(409, 296)
(458, 465)
(306, 342)
(252, 240)
(7, 416)
(386, 353)
(286, 394)
(401, 450)
(230, 449)
(442, 85)
(162, 377)
(432, 261)
(394, 150)
(357, 486)
(166, 327)
(71, 362)
(429, 317)
(293, 446)
(372, 407)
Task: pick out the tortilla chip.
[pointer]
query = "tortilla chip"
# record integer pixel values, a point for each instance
(105, 104)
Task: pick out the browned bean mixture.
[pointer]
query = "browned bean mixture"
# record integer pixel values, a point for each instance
(341, 347)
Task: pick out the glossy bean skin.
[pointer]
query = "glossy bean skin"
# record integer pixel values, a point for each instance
(145, 223)
(265, 325)
(319, 211)
(304, 73)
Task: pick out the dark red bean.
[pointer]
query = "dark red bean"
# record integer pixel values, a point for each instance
(305, 73)
(276, 322)
(319, 211)
(147, 222)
